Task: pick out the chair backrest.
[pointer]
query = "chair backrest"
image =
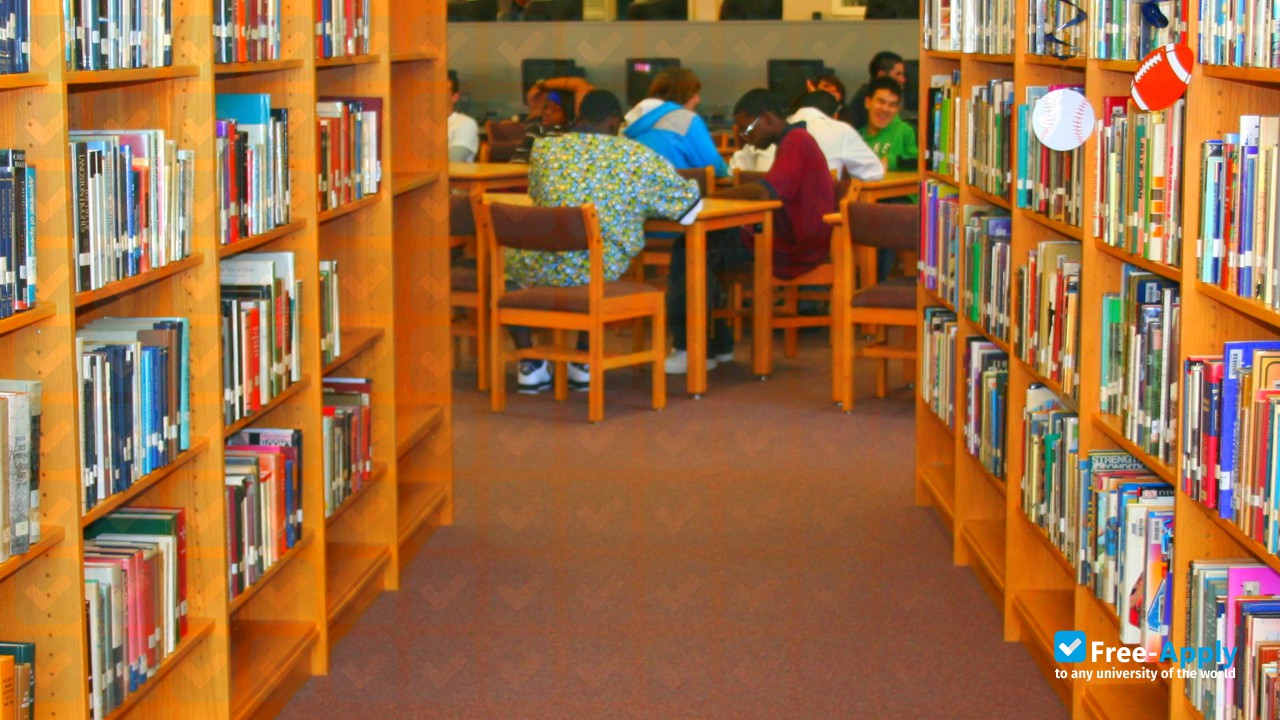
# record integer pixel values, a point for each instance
(742, 177)
(892, 227)
(504, 137)
(546, 229)
(462, 221)
(706, 177)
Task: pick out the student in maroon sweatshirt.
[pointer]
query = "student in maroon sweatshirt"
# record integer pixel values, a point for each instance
(801, 240)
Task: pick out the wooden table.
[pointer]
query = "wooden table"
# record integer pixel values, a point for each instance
(893, 184)
(717, 214)
(486, 177)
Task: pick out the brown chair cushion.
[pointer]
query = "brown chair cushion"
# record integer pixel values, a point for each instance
(883, 225)
(461, 221)
(568, 299)
(463, 279)
(894, 293)
(548, 229)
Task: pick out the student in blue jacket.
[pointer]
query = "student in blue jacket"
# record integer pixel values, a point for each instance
(665, 121)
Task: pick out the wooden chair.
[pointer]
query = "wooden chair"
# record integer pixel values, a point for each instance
(584, 308)
(468, 283)
(867, 302)
(503, 137)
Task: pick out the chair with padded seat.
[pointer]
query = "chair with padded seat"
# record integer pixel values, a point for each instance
(858, 299)
(468, 283)
(585, 308)
(502, 137)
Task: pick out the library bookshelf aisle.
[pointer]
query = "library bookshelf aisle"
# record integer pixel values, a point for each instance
(242, 656)
(1028, 577)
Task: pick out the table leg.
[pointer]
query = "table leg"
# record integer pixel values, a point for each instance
(696, 307)
(762, 302)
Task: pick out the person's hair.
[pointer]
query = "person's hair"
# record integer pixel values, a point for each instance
(453, 82)
(883, 62)
(820, 99)
(830, 78)
(884, 83)
(564, 101)
(598, 106)
(675, 85)
(760, 101)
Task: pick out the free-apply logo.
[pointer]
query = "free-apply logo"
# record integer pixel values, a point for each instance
(1069, 646)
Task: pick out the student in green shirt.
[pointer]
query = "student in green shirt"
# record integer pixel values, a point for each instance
(889, 137)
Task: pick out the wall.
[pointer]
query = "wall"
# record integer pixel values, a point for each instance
(729, 57)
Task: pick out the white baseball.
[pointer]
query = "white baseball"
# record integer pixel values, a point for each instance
(1062, 120)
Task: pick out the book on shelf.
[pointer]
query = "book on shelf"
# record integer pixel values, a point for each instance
(1050, 469)
(134, 400)
(970, 26)
(246, 30)
(991, 137)
(263, 485)
(988, 268)
(342, 28)
(1238, 248)
(262, 353)
(1240, 33)
(1056, 29)
(118, 35)
(1234, 604)
(942, 124)
(18, 665)
(938, 363)
(15, 37)
(347, 426)
(986, 378)
(133, 199)
(349, 139)
(1048, 312)
(135, 572)
(939, 264)
(17, 232)
(940, 24)
(1120, 30)
(330, 315)
(253, 166)
(1138, 188)
(1139, 379)
(20, 415)
(1050, 182)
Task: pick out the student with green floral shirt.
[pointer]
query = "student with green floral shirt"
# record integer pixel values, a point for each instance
(626, 181)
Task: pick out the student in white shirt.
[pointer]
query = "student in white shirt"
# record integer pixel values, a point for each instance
(464, 134)
(845, 149)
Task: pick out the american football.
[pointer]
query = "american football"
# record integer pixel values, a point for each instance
(1162, 78)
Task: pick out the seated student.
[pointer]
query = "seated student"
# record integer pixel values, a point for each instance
(890, 137)
(828, 83)
(801, 239)
(665, 121)
(844, 148)
(884, 64)
(536, 97)
(557, 113)
(626, 181)
(464, 134)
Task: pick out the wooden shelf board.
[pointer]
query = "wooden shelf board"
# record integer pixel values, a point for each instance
(940, 423)
(413, 423)
(120, 287)
(1049, 547)
(1103, 608)
(943, 54)
(1075, 63)
(1054, 386)
(937, 299)
(990, 198)
(415, 56)
(50, 535)
(1252, 308)
(256, 241)
(17, 321)
(403, 182)
(335, 213)
(1069, 231)
(1044, 612)
(276, 402)
(197, 630)
(934, 175)
(976, 329)
(108, 77)
(989, 58)
(378, 472)
(940, 482)
(250, 592)
(17, 81)
(1135, 700)
(1189, 709)
(354, 341)
(1121, 66)
(347, 61)
(982, 470)
(1165, 271)
(263, 654)
(1110, 425)
(418, 501)
(1249, 544)
(114, 502)
(986, 538)
(253, 68)
(350, 568)
(1225, 72)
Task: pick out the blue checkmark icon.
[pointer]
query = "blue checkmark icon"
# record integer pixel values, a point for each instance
(1069, 646)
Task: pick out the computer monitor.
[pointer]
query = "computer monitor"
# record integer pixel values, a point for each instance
(534, 69)
(911, 89)
(787, 77)
(640, 75)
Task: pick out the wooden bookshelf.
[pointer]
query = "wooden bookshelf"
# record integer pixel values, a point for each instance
(243, 657)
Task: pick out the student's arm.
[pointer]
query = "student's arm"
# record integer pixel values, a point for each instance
(859, 162)
(703, 148)
(665, 193)
(575, 85)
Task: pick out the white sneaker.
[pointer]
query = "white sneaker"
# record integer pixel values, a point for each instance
(579, 377)
(678, 362)
(533, 377)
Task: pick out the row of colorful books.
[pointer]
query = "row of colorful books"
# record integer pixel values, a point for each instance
(969, 26)
(942, 124)
(135, 582)
(988, 268)
(1240, 181)
(253, 166)
(18, 680)
(1234, 604)
(20, 414)
(330, 312)
(986, 369)
(342, 28)
(1055, 28)
(261, 341)
(1050, 182)
(991, 137)
(940, 228)
(246, 30)
(938, 363)
(1240, 33)
(15, 36)
(1050, 478)
(133, 195)
(263, 478)
(1127, 31)
(17, 232)
(118, 35)
(347, 425)
(1047, 306)
(350, 139)
(1138, 189)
